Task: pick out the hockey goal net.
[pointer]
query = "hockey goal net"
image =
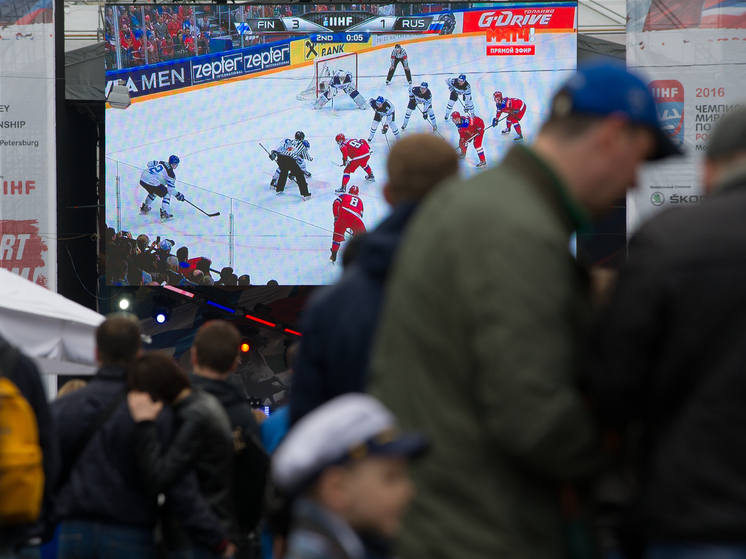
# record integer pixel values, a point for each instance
(323, 70)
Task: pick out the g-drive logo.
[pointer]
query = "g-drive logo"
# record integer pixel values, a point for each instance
(272, 58)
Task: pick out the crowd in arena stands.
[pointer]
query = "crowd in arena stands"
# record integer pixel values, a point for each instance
(137, 261)
(152, 34)
(160, 33)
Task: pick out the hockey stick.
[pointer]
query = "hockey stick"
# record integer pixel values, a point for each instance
(385, 135)
(265, 149)
(216, 214)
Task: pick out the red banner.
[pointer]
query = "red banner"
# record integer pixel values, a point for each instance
(511, 50)
(520, 20)
(22, 250)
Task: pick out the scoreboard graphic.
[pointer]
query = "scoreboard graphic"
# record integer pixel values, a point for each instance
(350, 27)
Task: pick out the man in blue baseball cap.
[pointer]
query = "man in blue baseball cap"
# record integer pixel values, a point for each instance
(479, 340)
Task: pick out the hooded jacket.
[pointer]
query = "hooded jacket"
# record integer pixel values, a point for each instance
(340, 321)
(105, 483)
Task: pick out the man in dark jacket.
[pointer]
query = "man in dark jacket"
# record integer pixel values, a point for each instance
(339, 322)
(481, 330)
(215, 356)
(23, 373)
(102, 500)
(671, 354)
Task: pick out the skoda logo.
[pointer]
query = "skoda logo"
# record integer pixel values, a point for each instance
(657, 198)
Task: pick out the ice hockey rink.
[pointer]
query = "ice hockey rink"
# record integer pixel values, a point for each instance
(216, 131)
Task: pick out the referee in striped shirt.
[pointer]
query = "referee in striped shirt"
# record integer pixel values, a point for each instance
(286, 154)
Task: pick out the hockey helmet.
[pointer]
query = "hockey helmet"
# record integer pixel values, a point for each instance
(380, 100)
(340, 138)
(456, 117)
(397, 46)
(462, 77)
(300, 136)
(174, 161)
(424, 85)
(497, 96)
(354, 190)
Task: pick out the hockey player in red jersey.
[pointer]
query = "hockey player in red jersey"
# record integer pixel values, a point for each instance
(348, 214)
(515, 108)
(355, 154)
(470, 129)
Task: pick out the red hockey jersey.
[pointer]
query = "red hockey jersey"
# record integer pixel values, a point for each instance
(474, 127)
(354, 149)
(348, 203)
(509, 105)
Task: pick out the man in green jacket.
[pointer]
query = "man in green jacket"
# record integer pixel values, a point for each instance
(479, 341)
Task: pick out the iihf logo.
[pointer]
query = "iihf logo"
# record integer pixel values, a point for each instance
(669, 102)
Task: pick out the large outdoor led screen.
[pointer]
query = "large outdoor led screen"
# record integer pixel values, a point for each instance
(220, 87)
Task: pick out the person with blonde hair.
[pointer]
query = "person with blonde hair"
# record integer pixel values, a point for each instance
(71, 386)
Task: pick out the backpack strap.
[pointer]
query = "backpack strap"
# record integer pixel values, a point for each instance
(83, 443)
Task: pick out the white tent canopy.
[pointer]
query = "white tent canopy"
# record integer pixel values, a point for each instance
(57, 333)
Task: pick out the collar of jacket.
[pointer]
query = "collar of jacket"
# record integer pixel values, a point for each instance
(735, 177)
(112, 372)
(541, 175)
(309, 513)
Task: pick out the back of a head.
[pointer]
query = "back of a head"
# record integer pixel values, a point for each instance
(417, 164)
(159, 376)
(728, 141)
(118, 340)
(173, 263)
(600, 90)
(217, 345)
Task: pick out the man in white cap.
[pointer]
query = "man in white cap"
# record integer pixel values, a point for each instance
(344, 469)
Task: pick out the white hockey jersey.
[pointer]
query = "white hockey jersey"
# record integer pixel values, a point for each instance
(159, 173)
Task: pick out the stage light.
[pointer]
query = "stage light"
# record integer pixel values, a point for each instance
(162, 308)
(245, 347)
(124, 303)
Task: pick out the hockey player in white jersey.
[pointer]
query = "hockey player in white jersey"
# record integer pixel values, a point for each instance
(420, 95)
(159, 180)
(459, 87)
(399, 56)
(384, 111)
(300, 147)
(341, 80)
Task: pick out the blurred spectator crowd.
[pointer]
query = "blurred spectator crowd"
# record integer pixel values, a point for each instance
(136, 261)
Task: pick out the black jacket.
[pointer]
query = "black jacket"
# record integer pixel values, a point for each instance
(26, 377)
(105, 483)
(670, 353)
(203, 442)
(251, 460)
(340, 321)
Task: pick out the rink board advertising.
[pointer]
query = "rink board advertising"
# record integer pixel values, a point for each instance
(220, 87)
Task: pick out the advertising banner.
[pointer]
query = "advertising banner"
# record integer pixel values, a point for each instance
(27, 141)
(687, 52)
(168, 76)
(156, 78)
